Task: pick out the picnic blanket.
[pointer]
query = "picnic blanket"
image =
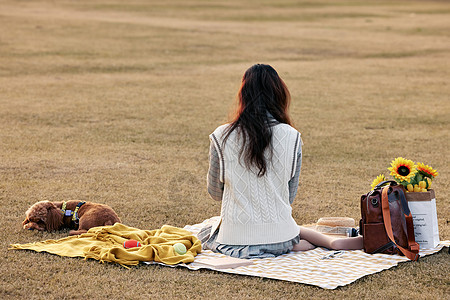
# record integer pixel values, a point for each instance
(105, 243)
(321, 267)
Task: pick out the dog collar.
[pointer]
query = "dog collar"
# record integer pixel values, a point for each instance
(73, 214)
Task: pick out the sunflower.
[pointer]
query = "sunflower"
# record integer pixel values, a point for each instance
(380, 178)
(426, 170)
(402, 169)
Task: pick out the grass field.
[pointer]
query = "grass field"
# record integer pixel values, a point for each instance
(113, 102)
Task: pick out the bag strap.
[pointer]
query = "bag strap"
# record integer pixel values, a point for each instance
(413, 253)
(409, 223)
(383, 183)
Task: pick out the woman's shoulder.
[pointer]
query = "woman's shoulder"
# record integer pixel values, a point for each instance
(220, 130)
(287, 128)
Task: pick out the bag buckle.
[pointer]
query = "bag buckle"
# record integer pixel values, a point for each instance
(374, 202)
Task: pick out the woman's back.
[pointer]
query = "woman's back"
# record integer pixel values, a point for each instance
(256, 209)
(254, 169)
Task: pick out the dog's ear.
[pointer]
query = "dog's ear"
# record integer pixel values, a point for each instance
(54, 218)
(38, 211)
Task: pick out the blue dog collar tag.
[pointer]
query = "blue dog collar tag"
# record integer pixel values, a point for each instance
(68, 213)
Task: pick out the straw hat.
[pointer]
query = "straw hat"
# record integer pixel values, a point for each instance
(336, 222)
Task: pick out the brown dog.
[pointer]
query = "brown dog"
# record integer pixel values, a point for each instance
(77, 215)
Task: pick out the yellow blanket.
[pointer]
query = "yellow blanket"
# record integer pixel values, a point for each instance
(106, 244)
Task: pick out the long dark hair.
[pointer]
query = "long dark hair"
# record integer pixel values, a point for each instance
(263, 95)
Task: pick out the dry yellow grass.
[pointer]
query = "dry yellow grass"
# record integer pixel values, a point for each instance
(113, 101)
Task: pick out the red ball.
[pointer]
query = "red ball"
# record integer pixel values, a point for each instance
(131, 244)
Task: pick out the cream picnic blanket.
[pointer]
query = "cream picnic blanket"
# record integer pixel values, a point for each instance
(315, 267)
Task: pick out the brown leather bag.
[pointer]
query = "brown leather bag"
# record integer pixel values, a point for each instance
(386, 222)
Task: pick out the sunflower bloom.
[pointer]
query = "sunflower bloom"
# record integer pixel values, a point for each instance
(376, 181)
(426, 170)
(402, 169)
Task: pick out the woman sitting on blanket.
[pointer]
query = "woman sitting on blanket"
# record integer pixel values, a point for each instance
(254, 170)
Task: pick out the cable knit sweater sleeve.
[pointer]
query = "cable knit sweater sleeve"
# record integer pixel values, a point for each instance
(293, 183)
(215, 187)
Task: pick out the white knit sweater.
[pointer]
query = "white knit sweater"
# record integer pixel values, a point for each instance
(256, 210)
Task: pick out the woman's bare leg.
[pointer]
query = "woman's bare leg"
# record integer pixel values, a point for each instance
(304, 245)
(350, 243)
(322, 240)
